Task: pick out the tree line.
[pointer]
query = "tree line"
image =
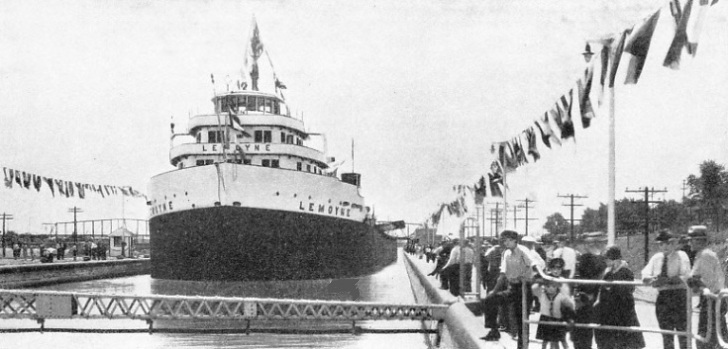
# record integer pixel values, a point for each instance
(705, 203)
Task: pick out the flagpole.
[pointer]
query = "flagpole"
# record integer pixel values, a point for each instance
(505, 192)
(611, 233)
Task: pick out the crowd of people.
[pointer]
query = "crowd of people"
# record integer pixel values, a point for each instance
(49, 251)
(512, 263)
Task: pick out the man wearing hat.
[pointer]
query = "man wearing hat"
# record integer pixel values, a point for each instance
(666, 270)
(516, 269)
(707, 277)
(591, 266)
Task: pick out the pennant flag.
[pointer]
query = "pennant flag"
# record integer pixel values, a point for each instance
(505, 156)
(280, 85)
(69, 189)
(547, 133)
(9, 177)
(80, 190)
(604, 67)
(638, 46)
(49, 182)
(234, 120)
(59, 185)
(544, 137)
(689, 21)
(617, 56)
(37, 181)
(680, 39)
(583, 87)
(18, 178)
(567, 126)
(480, 191)
(495, 181)
(532, 147)
(520, 155)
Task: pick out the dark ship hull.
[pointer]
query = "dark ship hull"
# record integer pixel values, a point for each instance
(239, 243)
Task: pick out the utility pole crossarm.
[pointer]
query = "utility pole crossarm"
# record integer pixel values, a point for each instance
(648, 193)
(572, 205)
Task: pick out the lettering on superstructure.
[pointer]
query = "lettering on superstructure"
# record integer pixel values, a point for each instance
(332, 210)
(248, 147)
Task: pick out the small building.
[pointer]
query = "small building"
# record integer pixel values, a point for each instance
(120, 241)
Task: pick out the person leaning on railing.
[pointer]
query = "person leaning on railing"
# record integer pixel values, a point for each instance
(669, 267)
(591, 266)
(615, 306)
(707, 277)
(516, 269)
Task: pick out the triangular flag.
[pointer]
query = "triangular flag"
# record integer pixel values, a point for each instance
(680, 39)
(49, 182)
(583, 87)
(567, 126)
(638, 46)
(617, 56)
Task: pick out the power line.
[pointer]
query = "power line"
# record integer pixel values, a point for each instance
(571, 204)
(648, 193)
(526, 207)
(6, 217)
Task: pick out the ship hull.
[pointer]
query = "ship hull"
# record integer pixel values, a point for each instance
(243, 243)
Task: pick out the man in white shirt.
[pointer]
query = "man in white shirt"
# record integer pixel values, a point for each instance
(707, 276)
(567, 254)
(669, 267)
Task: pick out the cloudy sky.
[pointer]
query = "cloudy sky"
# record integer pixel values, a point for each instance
(88, 89)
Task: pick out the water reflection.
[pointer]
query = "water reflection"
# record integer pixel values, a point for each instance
(389, 285)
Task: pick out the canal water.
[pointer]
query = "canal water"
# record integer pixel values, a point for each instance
(390, 285)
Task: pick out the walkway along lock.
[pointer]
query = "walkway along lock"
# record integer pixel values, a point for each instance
(42, 305)
(714, 308)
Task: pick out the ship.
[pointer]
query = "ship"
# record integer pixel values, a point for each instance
(254, 196)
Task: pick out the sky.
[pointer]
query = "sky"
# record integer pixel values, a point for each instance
(88, 90)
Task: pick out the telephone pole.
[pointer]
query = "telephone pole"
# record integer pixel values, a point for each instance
(571, 204)
(75, 210)
(526, 207)
(6, 217)
(648, 193)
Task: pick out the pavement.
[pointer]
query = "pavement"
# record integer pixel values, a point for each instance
(644, 296)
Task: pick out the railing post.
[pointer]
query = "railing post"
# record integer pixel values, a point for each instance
(719, 318)
(689, 318)
(524, 314)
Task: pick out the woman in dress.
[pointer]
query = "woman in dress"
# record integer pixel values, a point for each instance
(616, 306)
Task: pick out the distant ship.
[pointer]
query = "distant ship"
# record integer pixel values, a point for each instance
(251, 199)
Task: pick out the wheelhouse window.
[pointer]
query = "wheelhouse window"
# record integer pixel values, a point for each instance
(267, 137)
(289, 139)
(214, 136)
(275, 163)
(198, 137)
(299, 166)
(283, 137)
(258, 136)
(266, 163)
(308, 168)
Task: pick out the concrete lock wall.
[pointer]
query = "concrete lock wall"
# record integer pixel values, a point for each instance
(462, 329)
(22, 276)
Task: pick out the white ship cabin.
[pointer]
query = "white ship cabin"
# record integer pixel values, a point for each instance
(258, 130)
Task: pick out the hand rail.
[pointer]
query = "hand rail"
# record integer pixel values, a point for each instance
(688, 308)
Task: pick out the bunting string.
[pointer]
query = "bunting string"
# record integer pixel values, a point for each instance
(26, 180)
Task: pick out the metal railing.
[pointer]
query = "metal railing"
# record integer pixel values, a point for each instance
(714, 307)
(42, 305)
